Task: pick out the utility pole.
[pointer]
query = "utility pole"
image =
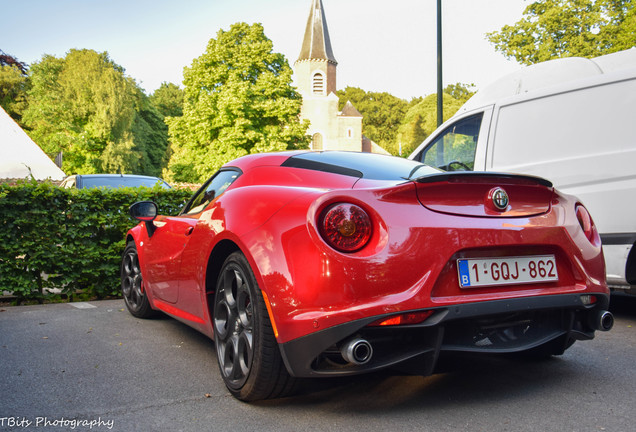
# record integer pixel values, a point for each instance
(440, 96)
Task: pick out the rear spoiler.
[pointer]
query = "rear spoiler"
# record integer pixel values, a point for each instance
(468, 176)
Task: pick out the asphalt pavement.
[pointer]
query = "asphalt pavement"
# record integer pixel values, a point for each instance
(92, 366)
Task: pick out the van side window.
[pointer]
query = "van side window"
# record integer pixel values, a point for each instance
(454, 149)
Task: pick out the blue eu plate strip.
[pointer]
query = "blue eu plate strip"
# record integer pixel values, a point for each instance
(464, 275)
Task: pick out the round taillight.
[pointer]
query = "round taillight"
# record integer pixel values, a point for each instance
(346, 227)
(585, 220)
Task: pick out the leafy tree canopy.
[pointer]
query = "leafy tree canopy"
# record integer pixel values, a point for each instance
(400, 126)
(553, 29)
(13, 91)
(14, 84)
(238, 100)
(168, 99)
(459, 91)
(382, 113)
(9, 60)
(84, 106)
(421, 118)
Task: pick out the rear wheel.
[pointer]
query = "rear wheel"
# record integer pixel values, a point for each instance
(247, 352)
(132, 284)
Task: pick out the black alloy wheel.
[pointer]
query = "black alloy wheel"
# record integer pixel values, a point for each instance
(132, 284)
(247, 352)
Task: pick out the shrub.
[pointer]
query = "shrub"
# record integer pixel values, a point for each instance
(67, 238)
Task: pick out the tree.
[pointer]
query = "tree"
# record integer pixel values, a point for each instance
(9, 60)
(411, 133)
(84, 106)
(150, 136)
(168, 99)
(14, 83)
(563, 28)
(238, 100)
(400, 126)
(421, 119)
(382, 113)
(460, 91)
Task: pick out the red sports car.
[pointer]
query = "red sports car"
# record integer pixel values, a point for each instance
(310, 264)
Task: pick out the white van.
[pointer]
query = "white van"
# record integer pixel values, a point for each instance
(571, 121)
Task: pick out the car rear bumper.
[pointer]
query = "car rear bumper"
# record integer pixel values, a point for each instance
(500, 326)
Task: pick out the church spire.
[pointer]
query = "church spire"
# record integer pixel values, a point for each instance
(316, 44)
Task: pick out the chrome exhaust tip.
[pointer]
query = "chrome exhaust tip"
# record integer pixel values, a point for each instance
(357, 351)
(603, 320)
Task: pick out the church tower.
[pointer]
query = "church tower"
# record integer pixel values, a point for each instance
(315, 77)
(316, 64)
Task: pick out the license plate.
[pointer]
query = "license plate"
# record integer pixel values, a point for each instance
(506, 271)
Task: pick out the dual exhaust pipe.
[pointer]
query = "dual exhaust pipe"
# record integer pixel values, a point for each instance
(359, 351)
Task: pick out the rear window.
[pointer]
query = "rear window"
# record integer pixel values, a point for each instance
(361, 165)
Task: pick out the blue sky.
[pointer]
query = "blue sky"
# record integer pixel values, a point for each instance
(381, 45)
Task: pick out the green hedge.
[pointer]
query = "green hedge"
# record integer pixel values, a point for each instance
(68, 239)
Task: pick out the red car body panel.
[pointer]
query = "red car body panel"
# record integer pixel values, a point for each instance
(420, 229)
(312, 287)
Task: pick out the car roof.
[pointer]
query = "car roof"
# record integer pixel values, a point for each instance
(355, 164)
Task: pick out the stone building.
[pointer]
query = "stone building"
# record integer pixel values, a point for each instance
(315, 77)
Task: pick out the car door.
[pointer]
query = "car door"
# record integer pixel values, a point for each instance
(163, 252)
(193, 257)
(171, 241)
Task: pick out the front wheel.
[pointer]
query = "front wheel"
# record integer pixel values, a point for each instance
(247, 352)
(132, 284)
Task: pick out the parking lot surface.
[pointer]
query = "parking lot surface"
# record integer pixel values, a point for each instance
(92, 366)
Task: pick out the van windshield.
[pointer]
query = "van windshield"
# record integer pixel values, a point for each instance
(454, 148)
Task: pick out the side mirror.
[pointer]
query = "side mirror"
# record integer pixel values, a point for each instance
(145, 211)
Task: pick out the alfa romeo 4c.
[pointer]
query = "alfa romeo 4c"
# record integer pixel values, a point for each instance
(317, 264)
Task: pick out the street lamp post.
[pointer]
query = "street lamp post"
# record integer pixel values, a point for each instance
(440, 96)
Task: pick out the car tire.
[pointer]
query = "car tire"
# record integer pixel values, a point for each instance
(132, 285)
(247, 352)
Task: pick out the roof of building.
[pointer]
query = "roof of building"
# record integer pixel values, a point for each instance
(316, 44)
(370, 146)
(350, 111)
(20, 157)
